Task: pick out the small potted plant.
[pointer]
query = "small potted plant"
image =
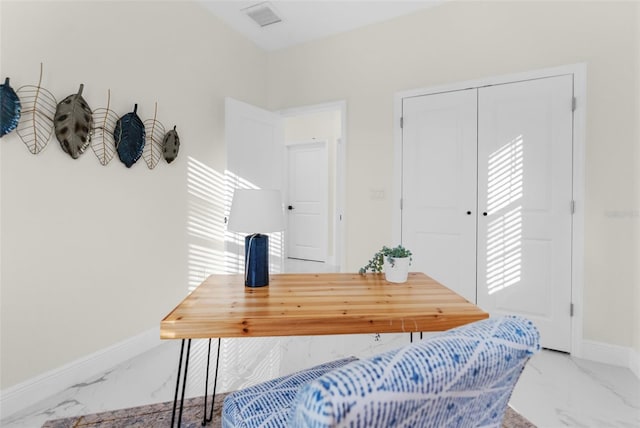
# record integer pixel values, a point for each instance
(394, 262)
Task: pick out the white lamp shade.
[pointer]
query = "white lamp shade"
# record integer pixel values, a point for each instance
(256, 211)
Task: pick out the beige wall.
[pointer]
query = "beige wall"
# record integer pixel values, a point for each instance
(460, 41)
(93, 255)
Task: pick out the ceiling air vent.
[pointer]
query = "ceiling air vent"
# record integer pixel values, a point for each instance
(262, 13)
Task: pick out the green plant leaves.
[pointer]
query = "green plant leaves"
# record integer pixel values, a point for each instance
(376, 264)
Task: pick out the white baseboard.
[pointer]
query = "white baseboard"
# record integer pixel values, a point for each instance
(634, 362)
(29, 392)
(614, 355)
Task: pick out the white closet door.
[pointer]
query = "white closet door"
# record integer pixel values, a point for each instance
(524, 187)
(439, 187)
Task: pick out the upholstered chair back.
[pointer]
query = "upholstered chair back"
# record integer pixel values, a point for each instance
(460, 378)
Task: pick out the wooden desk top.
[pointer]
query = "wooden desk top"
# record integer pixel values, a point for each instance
(317, 304)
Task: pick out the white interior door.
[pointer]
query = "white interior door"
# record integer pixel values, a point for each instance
(525, 189)
(307, 206)
(439, 187)
(254, 143)
(487, 191)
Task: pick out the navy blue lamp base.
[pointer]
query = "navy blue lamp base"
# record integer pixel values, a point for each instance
(256, 260)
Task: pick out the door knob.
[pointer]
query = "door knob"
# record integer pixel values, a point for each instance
(484, 213)
(468, 212)
(290, 207)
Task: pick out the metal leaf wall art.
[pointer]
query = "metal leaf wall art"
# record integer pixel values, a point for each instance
(154, 131)
(171, 145)
(36, 123)
(73, 122)
(129, 135)
(33, 112)
(103, 143)
(9, 108)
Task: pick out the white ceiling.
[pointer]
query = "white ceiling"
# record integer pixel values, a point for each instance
(307, 20)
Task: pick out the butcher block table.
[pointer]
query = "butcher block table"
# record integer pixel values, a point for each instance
(311, 304)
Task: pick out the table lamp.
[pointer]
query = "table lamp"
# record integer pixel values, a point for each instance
(256, 212)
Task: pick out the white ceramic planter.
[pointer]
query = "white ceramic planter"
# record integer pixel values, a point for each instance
(399, 271)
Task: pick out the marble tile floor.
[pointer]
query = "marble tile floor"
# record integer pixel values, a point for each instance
(555, 390)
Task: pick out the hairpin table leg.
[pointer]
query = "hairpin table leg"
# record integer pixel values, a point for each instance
(206, 419)
(184, 383)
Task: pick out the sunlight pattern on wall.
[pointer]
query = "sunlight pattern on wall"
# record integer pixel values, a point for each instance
(235, 241)
(246, 361)
(276, 252)
(234, 248)
(211, 248)
(205, 222)
(504, 231)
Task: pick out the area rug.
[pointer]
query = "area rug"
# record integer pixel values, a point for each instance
(159, 416)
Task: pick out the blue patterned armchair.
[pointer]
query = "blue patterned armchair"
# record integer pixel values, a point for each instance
(463, 377)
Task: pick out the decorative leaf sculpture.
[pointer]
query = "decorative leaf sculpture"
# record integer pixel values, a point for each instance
(171, 145)
(103, 143)
(9, 108)
(73, 122)
(129, 135)
(38, 108)
(153, 147)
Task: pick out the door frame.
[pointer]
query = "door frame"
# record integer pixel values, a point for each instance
(579, 73)
(324, 145)
(339, 215)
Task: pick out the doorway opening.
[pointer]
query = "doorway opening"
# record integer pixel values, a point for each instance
(314, 183)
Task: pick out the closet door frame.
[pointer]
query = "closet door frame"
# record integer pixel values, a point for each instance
(579, 73)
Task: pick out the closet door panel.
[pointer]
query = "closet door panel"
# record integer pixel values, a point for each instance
(525, 188)
(439, 187)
